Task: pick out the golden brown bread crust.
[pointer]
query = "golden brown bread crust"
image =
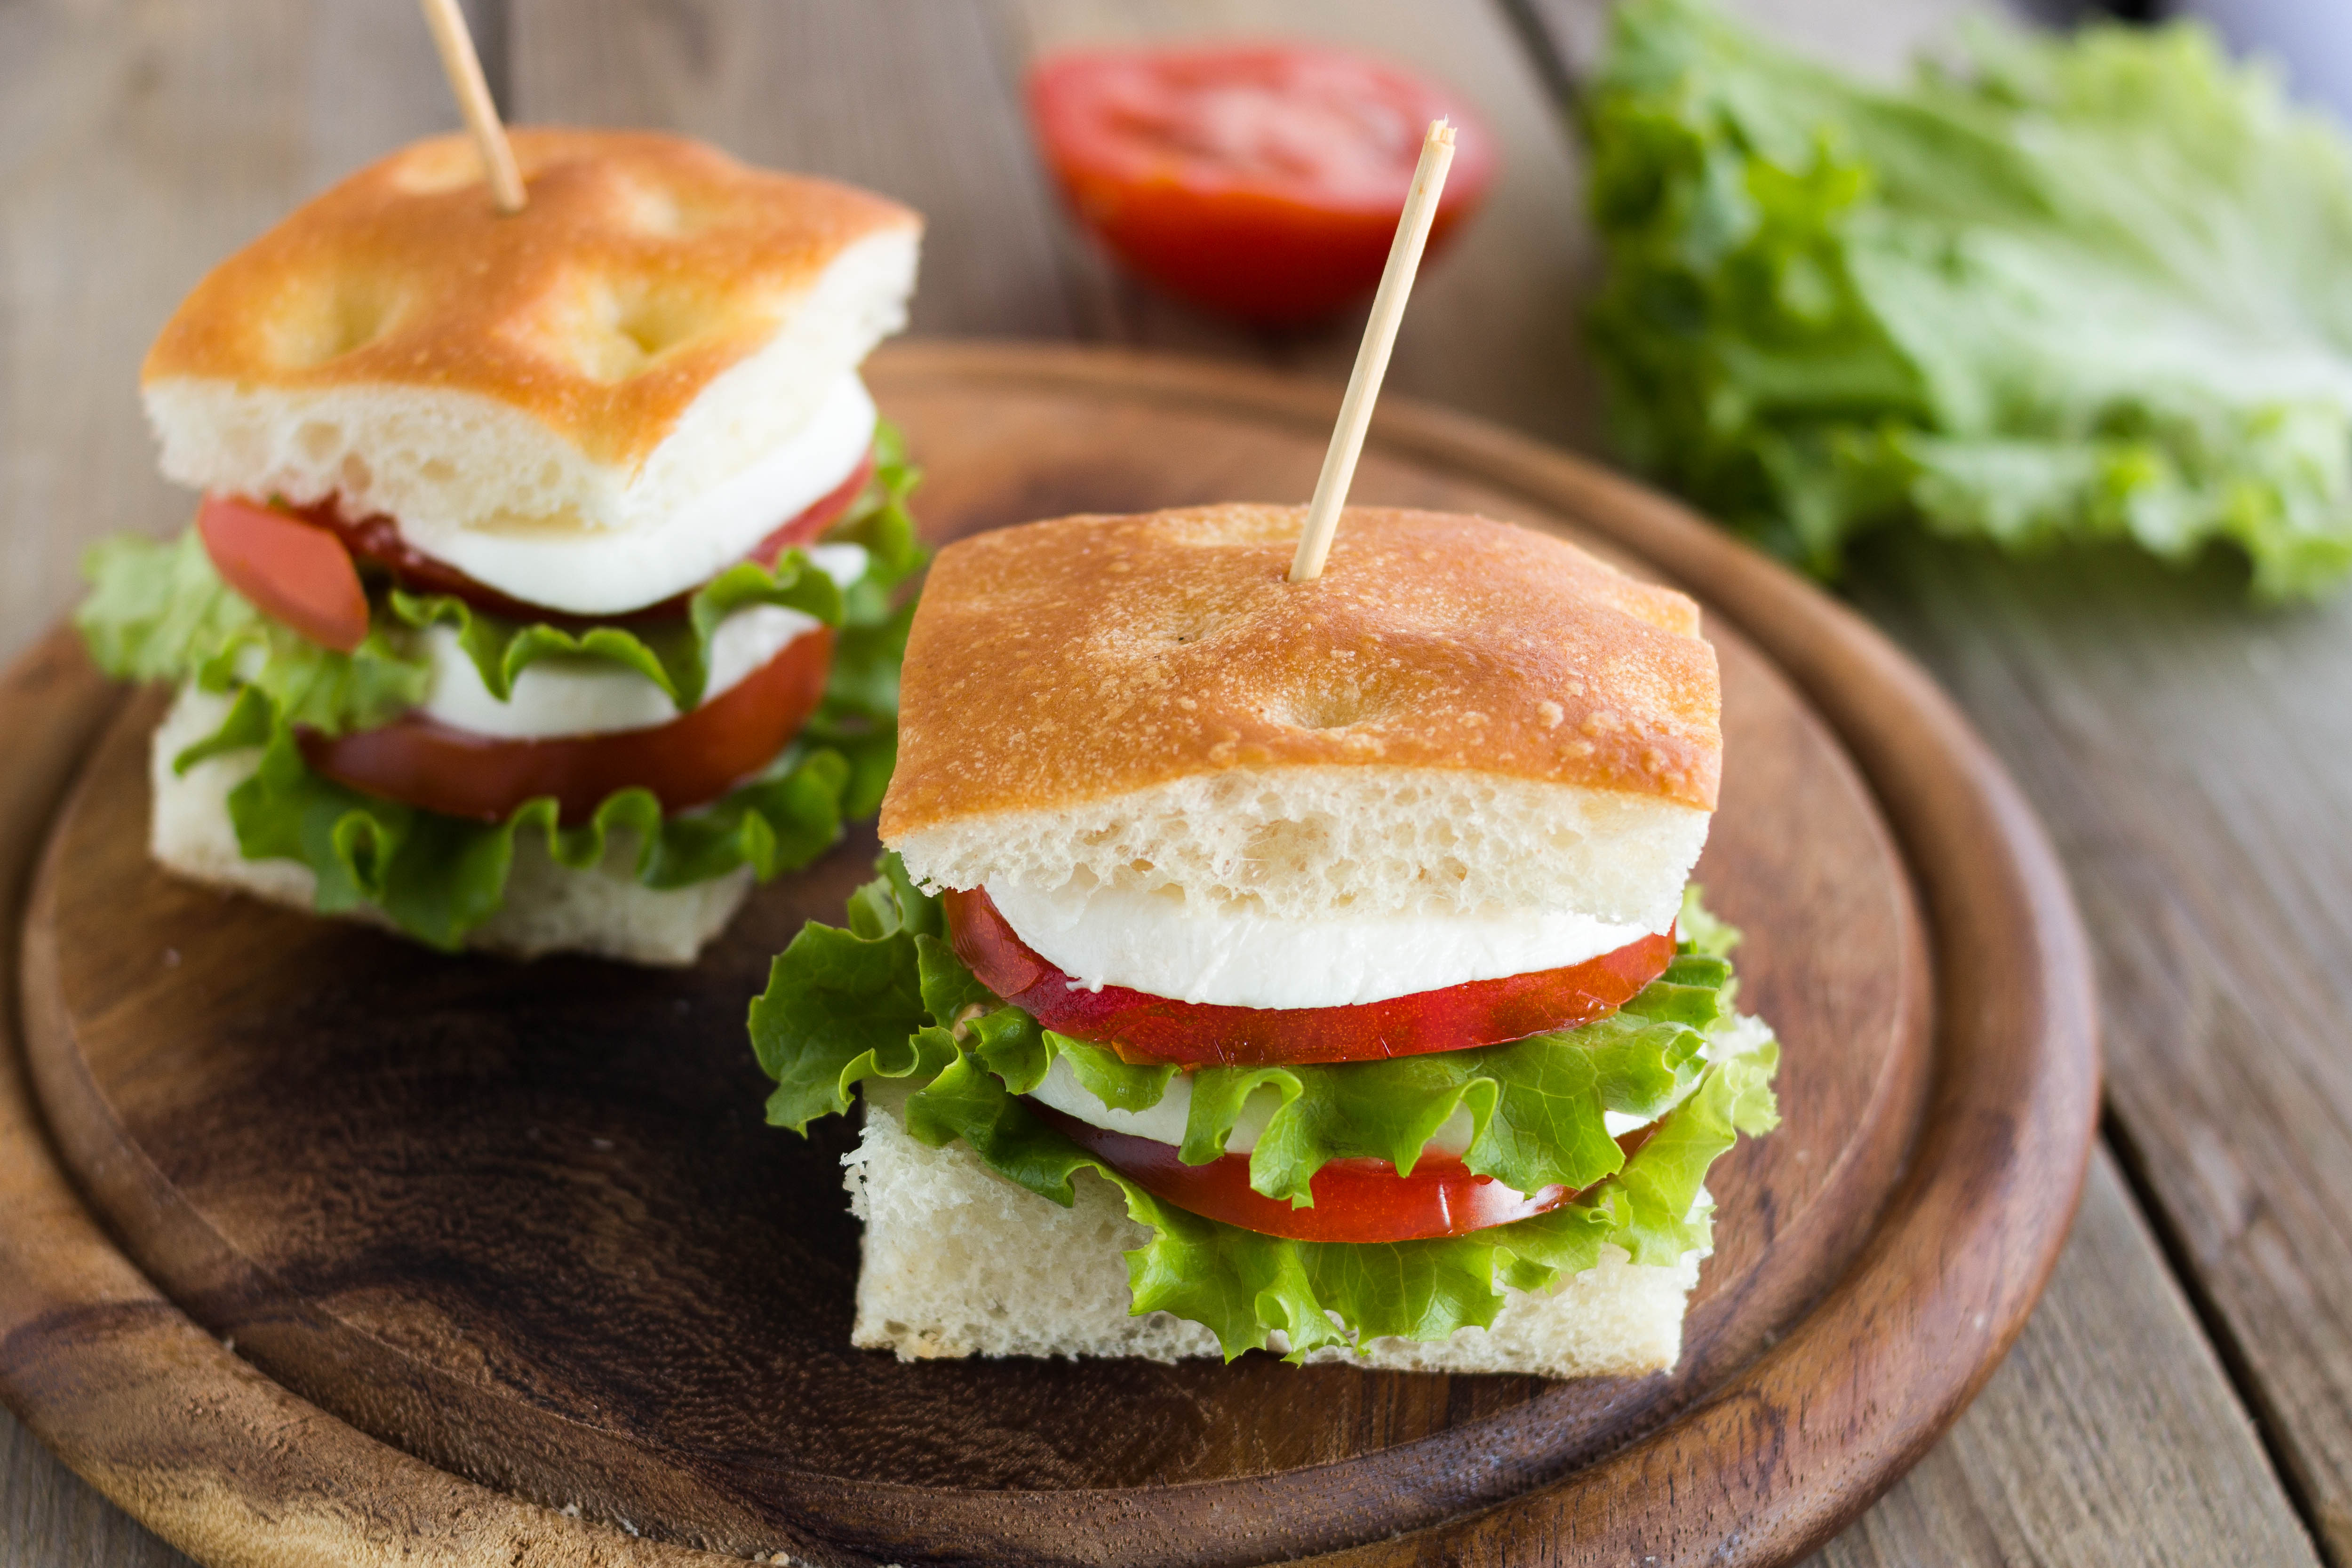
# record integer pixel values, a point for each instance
(1089, 656)
(644, 266)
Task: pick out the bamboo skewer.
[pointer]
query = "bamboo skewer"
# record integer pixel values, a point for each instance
(1373, 357)
(464, 68)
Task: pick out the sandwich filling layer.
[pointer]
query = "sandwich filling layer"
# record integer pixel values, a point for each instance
(575, 696)
(1294, 1203)
(1232, 954)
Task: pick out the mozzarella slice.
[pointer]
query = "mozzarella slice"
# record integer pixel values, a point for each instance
(1164, 1123)
(613, 570)
(571, 696)
(1159, 944)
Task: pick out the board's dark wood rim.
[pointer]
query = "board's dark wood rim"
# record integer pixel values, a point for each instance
(2014, 988)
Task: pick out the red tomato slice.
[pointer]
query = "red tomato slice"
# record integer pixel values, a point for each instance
(378, 539)
(1202, 1034)
(1355, 1199)
(1265, 180)
(689, 761)
(287, 570)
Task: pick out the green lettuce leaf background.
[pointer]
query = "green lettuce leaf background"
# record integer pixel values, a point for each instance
(159, 611)
(886, 999)
(2079, 288)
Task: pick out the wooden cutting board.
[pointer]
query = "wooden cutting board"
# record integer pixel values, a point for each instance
(388, 1253)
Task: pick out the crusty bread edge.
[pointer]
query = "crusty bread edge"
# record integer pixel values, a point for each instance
(550, 908)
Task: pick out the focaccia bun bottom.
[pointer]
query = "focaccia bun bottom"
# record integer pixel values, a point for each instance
(549, 908)
(959, 1261)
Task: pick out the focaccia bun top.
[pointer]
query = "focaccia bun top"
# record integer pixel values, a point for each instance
(643, 267)
(1067, 661)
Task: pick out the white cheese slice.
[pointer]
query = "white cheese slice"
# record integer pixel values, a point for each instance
(1159, 944)
(557, 698)
(610, 572)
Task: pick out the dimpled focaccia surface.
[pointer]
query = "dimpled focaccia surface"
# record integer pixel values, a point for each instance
(1088, 657)
(643, 268)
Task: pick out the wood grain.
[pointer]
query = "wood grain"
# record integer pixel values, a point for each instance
(2190, 753)
(560, 1254)
(2090, 1447)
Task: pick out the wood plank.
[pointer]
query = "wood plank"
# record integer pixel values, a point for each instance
(2190, 755)
(2108, 1438)
(903, 96)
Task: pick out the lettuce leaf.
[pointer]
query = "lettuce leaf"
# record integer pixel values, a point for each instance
(158, 612)
(2087, 287)
(673, 654)
(436, 877)
(887, 999)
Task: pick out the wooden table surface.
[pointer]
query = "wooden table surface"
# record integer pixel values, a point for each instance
(2184, 1392)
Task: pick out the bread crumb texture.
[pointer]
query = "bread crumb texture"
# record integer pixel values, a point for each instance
(643, 268)
(958, 1261)
(1092, 656)
(549, 908)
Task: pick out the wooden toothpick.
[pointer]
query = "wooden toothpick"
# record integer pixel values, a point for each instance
(1373, 357)
(464, 68)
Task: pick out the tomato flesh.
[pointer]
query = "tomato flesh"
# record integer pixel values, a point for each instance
(1263, 181)
(1143, 1027)
(690, 761)
(1355, 1199)
(377, 538)
(287, 570)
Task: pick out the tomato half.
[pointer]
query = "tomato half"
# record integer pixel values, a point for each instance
(689, 761)
(1265, 180)
(287, 570)
(1199, 1034)
(378, 539)
(1355, 1199)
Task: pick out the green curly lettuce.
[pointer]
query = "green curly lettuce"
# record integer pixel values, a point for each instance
(2087, 286)
(886, 999)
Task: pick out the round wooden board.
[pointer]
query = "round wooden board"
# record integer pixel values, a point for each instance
(501, 1239)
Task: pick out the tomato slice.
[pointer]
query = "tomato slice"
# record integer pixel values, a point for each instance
(1264, 179)
(287, 570)
(1355, 1199)
(378, 539)
(1143, 1027)
(690, 761)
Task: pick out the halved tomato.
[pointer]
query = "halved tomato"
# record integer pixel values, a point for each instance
(1355, 1199)
(690, 761)
(378, 539)
(285, 569)
(1262, 179)
(1155, 1028)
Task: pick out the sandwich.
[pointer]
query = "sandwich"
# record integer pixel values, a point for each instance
(540, 594)
(1300, 966)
